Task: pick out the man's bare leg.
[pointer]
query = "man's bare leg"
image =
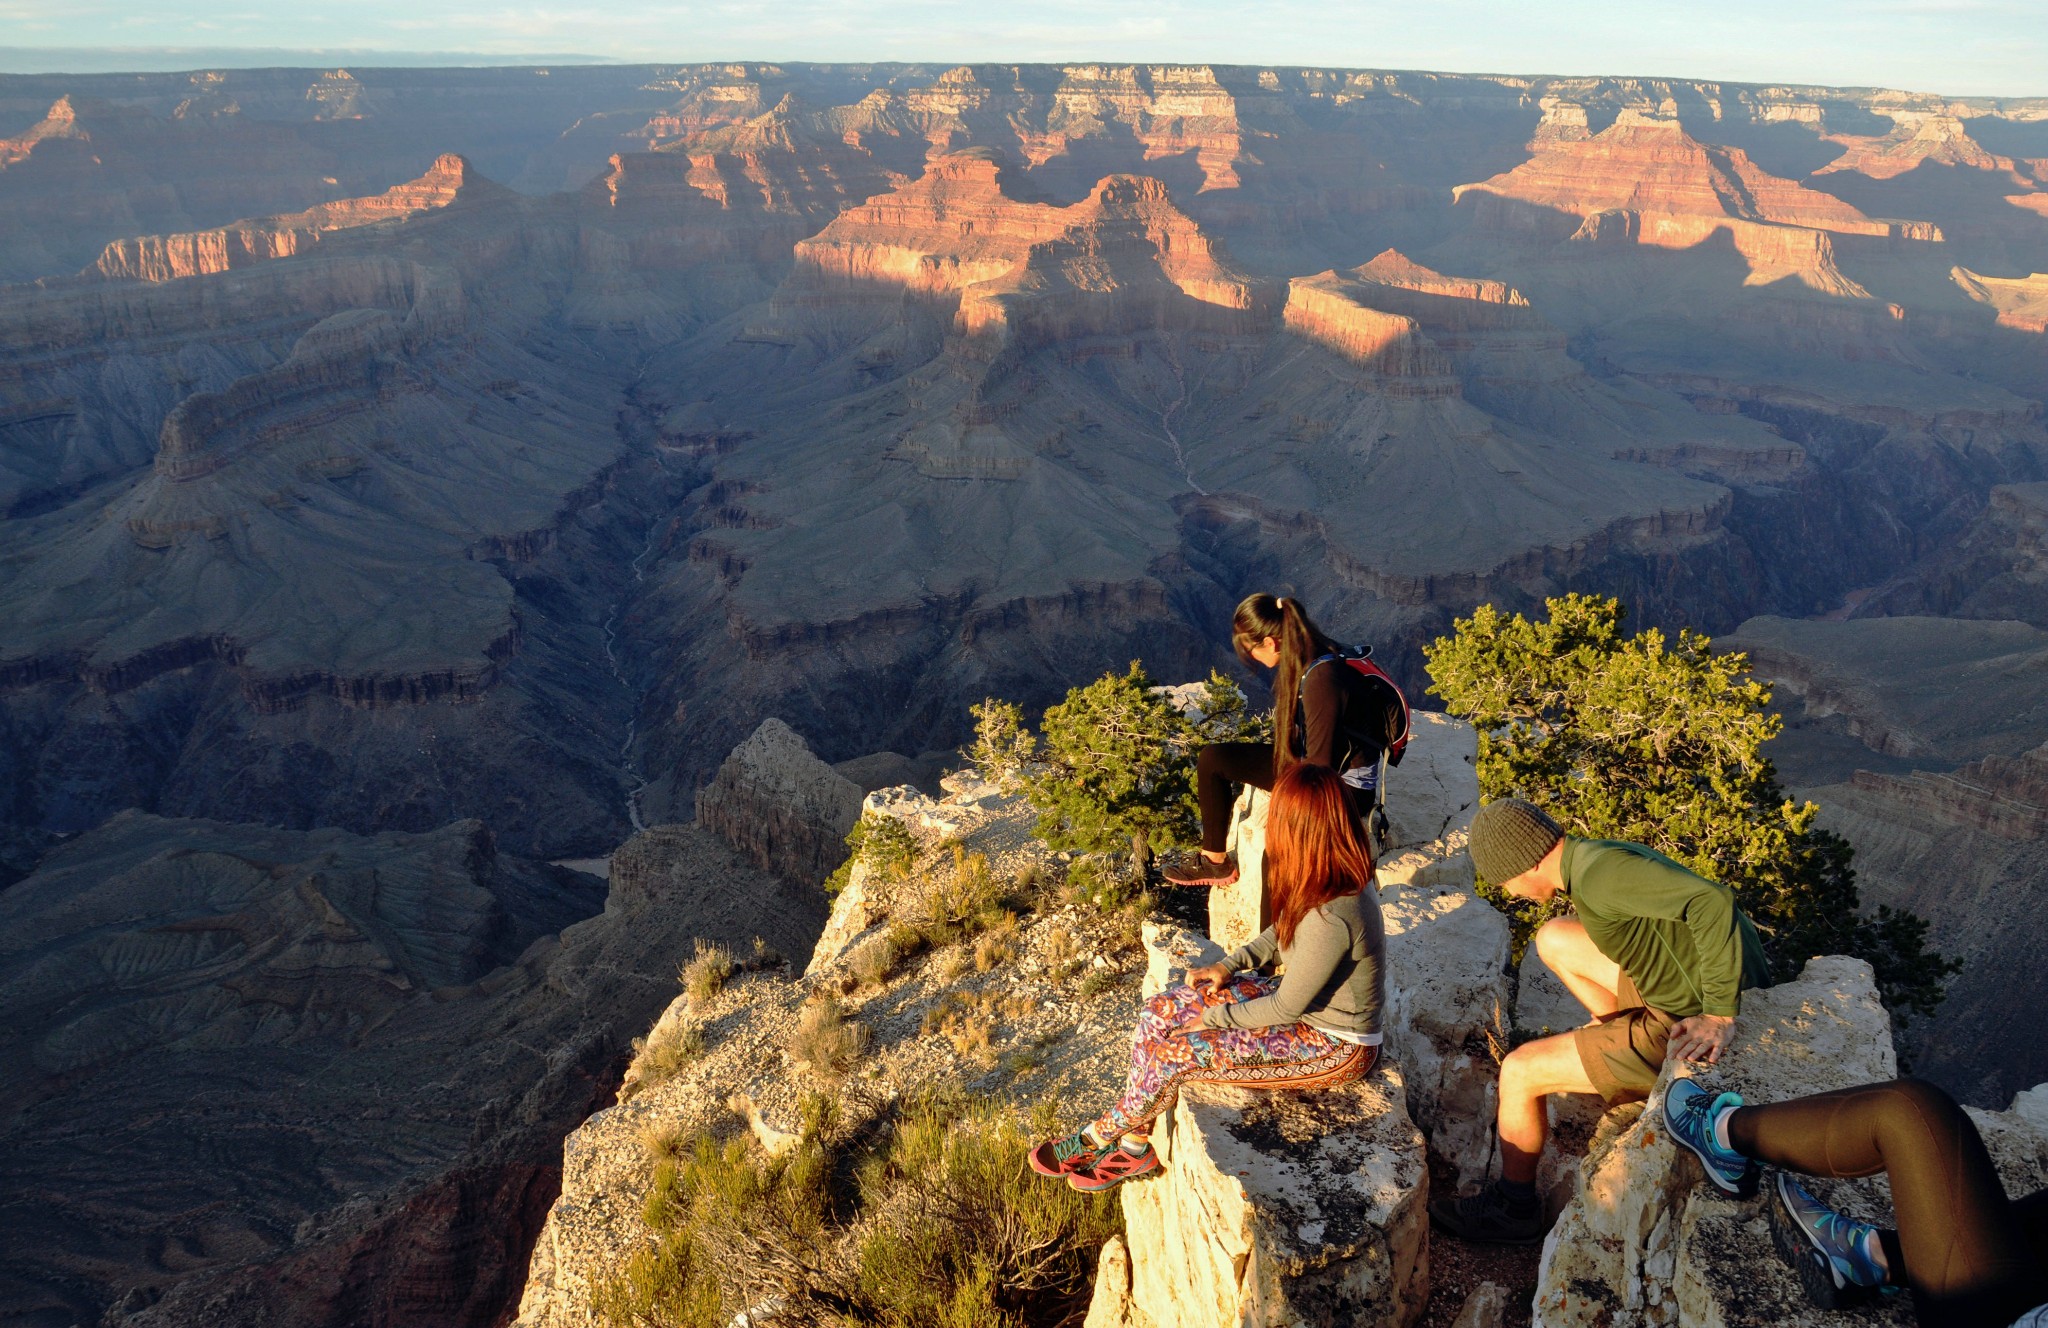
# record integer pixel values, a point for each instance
(1531, 1072)
(1578, 963)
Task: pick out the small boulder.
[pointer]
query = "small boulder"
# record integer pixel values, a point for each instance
(1281, 1209)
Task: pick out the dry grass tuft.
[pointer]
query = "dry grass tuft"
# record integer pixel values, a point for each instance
(661, 1056)
(1062, 946)
(969, 1021)
(707, 972)
(825, 1040)
(997, 945)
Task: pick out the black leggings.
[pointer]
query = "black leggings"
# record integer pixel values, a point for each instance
(1219, 766)
(1222, 765)
(1970, 1255)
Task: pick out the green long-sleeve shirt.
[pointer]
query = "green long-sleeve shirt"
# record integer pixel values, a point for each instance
(1679, 936)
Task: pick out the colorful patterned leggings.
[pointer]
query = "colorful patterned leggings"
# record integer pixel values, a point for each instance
(1164, 1055)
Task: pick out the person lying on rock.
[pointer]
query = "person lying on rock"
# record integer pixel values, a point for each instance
(1324, 712)
(1315, 1027)
(1971, 1257)
(1658, 955)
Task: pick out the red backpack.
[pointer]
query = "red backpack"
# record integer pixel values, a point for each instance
(1361, 660)
(1376, 821)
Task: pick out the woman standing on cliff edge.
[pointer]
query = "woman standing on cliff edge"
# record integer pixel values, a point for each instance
(1325, 713)
(1317, 1026)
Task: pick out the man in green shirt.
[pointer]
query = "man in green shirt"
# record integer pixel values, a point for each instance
(1657, 954)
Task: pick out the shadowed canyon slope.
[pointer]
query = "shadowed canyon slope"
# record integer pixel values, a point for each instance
(476, 456)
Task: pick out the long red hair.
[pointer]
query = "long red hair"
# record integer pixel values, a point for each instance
(1315, 849)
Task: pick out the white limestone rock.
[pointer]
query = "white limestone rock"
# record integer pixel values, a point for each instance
(1486, 1307)
(1282, 1209)
(1447, 1015)
(1433, 793)
(1111, 1306)
(1170, 952)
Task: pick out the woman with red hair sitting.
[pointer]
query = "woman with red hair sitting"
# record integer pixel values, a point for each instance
(1318, 1025)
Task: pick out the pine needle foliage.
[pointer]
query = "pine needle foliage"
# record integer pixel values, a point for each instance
(883, 844)
(1660, 742)
(1002, 745)
(1116, 764)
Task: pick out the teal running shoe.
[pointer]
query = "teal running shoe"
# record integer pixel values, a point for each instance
(1063, 1157)
(1689, 1113)
(1834, 1256)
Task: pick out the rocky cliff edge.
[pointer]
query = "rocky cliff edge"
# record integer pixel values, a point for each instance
(1273, 1209)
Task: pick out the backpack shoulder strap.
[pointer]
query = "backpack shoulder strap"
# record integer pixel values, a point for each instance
(1301, 688)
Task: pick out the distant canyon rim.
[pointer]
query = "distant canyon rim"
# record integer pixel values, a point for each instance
(413, 479)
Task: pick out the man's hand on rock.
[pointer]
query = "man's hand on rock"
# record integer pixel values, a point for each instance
(1701, 1038)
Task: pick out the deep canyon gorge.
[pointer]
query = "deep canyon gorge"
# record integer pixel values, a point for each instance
(414, 481)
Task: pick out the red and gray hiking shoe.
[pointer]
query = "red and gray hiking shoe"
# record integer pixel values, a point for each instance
(1198, 872)
(1114, 1167)
(1060, 1157)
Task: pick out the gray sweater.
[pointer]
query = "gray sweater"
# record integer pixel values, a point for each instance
(1336, 972)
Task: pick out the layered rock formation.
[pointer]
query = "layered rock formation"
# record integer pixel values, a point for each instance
(272, 1077)
(1897, 682)
(1647, 176)
(781, 807)
(1996, 569)
(404, 504)
(449, 181)
(1960, 847)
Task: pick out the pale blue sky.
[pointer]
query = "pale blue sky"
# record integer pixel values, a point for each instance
(1968, 47)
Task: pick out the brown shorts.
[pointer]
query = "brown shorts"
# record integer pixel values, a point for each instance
(1623, 1052)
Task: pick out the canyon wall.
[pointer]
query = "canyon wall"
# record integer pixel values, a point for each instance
(386, 449)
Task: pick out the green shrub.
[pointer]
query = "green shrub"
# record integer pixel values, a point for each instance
(968, 1234)
(884, 844)
(1661, 742)
(1002, 746)
(1104, 883)
(1101, 980)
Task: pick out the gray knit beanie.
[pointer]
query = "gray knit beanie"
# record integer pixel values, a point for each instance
(1509, 837)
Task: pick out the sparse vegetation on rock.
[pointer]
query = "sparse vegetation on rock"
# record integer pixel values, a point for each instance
(932, 1221)
(825, 1042)
(1659, 741)
(708, 970)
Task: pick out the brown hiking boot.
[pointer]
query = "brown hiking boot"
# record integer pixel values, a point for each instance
(1194, 871)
